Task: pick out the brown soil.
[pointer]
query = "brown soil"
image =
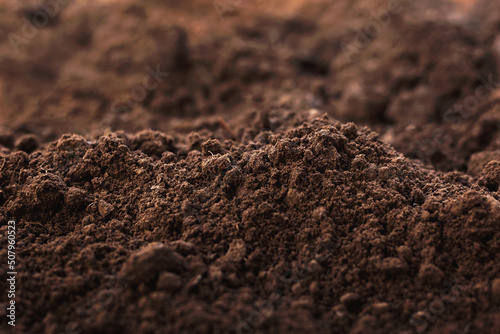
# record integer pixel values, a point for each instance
(235, 194)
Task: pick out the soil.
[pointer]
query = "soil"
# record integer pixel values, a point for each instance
(180, 167)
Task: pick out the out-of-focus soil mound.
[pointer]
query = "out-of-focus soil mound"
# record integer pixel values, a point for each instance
(317, 228)
(400, 67)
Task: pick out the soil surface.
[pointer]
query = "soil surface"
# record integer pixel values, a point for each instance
(251, 167)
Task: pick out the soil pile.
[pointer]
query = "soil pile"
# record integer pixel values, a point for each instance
(316, 227)
(240, 209)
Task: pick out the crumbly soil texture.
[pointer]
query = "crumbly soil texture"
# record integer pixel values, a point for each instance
(251, 167)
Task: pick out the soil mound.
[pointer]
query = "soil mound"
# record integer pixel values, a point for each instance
(317, 227)
(169, 170)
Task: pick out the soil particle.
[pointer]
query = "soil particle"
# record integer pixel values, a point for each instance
(27, 143)
(148, 262)
(104, 208)
(352, 302)
(430, 274)
(490, 176)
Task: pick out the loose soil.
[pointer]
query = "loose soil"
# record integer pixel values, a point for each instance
(267, 183)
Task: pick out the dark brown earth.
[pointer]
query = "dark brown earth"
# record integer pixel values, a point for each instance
(246, 191)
